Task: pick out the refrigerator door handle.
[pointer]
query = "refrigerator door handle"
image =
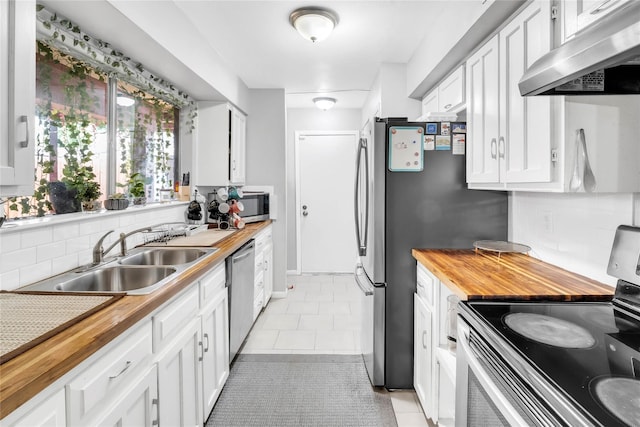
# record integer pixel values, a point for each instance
(362, 236)
(359, 273)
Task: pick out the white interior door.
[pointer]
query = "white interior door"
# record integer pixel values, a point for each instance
(326, 164)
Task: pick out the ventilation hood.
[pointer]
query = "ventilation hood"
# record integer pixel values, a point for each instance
(603, 59)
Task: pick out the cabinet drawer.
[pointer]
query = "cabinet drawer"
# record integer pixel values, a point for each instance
(425, 285)
(211, 284)
(106, 377)
(170, 320)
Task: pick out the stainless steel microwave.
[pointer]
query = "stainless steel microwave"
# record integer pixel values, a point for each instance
(256, 206)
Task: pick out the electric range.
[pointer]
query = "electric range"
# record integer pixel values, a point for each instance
(555, 363)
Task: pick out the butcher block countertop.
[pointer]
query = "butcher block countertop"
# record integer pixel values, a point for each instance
(481, 275)
(24, 376)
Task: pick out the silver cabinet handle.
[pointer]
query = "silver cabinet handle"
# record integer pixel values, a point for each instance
(206, 337)
(424, 334)
(501, 147)
(25, 143)
(602, 7)
(446, 107)
(154, 402)
(201, 351)
(494, 149)
(112, 377)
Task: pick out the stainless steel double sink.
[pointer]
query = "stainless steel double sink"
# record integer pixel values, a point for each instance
(142, 271)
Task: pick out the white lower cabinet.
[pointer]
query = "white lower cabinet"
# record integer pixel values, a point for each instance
(422, 346)
(49, 412)
(179, 378)
(433, 363)
(137, 405)
(167, 370)
(215, 359)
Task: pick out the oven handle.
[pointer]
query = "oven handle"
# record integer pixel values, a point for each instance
(501, 402)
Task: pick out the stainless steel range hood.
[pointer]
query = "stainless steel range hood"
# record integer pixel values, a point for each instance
(603, 59)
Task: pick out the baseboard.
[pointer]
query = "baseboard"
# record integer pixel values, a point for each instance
(279, 295)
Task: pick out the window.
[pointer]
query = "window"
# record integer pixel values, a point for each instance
(77, 159)
(145, 140)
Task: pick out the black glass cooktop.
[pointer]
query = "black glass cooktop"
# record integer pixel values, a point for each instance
(588, 350)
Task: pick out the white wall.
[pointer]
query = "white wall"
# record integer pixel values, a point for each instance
(300, 119)
(53, 245)
(266, 165)
(572, 231)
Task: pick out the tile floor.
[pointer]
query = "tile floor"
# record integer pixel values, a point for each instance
(321, 315)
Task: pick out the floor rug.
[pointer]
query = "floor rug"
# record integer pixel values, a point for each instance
(301, 390)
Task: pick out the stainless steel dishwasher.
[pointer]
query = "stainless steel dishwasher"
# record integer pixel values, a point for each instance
(240, 281)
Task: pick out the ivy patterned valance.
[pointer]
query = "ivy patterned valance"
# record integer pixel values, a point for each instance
(61, 33)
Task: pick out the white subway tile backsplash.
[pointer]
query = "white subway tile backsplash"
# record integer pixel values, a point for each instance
(9, 280)
(35, 272)
(64, 263)
(36, 237)
(65, 231)
(50, 250)
(17, 259)
(573, 231)
(9, 242)
(33, 254)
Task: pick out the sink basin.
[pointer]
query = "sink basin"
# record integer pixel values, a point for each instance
(164, 256)
(130, 279)
(143, 271)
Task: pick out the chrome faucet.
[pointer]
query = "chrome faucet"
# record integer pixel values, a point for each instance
(99, 252)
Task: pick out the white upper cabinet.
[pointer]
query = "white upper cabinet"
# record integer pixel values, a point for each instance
(509, 136)
(482, 114)
(17, 107)
(219, 152)
(430, 102)
(451, 91)
(449, 95)
(579, 14)
(524, 143)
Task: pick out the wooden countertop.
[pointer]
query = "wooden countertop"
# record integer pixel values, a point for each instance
(482, 275)
(24, 376)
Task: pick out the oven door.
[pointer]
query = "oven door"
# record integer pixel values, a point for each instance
(488, 392)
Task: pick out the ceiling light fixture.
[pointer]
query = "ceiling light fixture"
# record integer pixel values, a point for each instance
(313, 23)
(125, 101)
(324, 103)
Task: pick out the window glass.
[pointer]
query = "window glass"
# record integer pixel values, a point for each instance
(73, 145)
(145, 142)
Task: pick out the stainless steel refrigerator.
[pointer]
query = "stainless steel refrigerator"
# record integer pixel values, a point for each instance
(409, 197)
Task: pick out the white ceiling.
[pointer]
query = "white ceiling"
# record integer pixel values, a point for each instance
(257, 42)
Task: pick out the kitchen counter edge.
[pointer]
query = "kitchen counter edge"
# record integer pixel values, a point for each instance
(478, 275)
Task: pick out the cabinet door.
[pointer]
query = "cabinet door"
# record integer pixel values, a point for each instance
(482, 82)
(238, 147)
(179, 379)
(451, 91)
(268, 273)
(422, 357)
(17, 107)
(215, 360)
(137, 406)
(430, 102)
(50, 413)
(524, 144)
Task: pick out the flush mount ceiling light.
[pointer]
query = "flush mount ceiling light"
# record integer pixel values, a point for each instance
(125, 101)
(313, 23)
(324, 103)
